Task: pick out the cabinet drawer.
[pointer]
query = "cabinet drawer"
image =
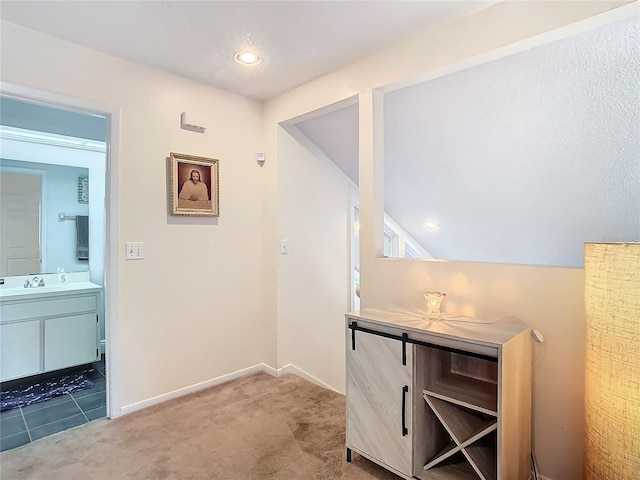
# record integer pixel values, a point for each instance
(48, 308)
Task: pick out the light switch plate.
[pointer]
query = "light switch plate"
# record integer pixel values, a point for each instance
(135, 250)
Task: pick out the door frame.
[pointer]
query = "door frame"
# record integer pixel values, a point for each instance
(111, 268)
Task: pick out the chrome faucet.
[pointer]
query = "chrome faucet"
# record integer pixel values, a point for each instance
(34, 282)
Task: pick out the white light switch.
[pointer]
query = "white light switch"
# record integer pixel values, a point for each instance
(284, 248)
(135, 250)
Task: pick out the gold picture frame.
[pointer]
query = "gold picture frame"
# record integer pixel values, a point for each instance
(194, 186)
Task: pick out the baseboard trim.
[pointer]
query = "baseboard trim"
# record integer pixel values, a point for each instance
(274, 372)
(292, 369)
(261, 367)
(540, 477)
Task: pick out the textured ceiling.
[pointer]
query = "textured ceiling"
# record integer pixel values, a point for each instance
(520, 160)
(299, 40)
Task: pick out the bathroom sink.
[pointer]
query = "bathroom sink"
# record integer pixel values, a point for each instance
(8, 293)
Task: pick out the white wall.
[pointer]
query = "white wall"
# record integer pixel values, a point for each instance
(314, 276)
(191, 310)
(550, 299)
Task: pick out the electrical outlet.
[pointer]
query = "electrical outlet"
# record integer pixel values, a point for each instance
(135, 250)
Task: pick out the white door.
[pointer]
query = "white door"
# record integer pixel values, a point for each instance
(20, 226)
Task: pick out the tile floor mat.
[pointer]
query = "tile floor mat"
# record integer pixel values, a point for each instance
(21, 396)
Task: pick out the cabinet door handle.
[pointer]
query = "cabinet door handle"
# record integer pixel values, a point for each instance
(405, 339)
(354, 326)
(405, 431)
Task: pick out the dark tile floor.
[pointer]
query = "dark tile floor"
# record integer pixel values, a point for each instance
(26, 424)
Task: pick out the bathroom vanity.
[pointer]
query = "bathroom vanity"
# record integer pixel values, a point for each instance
(48, 327)
(439, 399)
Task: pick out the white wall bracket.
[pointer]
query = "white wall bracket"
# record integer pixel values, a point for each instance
(187, 126)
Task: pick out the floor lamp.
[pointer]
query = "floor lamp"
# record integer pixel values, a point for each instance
(612, 357)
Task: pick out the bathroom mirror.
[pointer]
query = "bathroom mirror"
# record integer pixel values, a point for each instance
(47, 157)
(523, 159)
(35, 239)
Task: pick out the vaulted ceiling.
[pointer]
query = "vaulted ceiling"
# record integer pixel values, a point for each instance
(520, 160)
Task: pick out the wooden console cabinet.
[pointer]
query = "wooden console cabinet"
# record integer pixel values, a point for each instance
(436, 400)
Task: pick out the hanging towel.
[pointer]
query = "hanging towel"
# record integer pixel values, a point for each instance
(82, 230)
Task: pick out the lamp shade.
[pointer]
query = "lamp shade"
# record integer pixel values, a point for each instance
(612, 358)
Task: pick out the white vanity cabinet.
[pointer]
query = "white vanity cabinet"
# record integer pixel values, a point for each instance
(48, 329)
(439, 400)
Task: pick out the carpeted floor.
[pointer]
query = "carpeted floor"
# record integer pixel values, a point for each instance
(255, 427)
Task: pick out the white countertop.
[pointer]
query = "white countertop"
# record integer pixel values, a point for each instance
(13, 288)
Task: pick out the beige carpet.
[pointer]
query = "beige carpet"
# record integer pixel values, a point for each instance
(255, 427)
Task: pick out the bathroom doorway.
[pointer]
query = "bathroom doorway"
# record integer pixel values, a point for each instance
(100, 400)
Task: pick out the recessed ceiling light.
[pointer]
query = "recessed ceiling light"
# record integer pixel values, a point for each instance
(248, 58)
(431, 225)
